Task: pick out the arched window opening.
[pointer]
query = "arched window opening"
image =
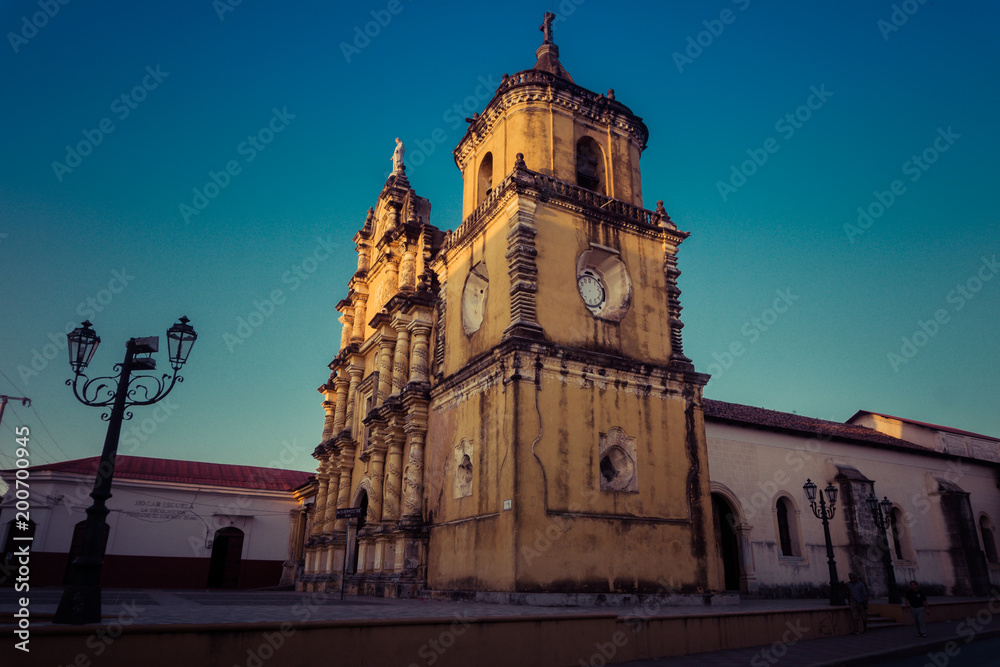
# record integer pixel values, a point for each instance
(989, 543)
(485, 178)
(788, 528)
(784, 533)
(590, 165)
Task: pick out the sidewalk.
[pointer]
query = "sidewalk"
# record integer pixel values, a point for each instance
(227, 606)
(150, 606)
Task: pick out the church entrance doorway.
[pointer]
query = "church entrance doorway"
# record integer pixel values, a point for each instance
(227, 554)
(727, 542)
(361, 524)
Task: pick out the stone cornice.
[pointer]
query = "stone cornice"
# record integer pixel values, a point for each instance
(578, 200)
(536, 86)
(567, 365)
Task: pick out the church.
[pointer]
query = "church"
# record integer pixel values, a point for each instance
(511, 415)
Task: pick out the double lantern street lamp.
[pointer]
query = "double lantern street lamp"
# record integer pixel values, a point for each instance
(882, 513)
(825, 512)
(81, 600)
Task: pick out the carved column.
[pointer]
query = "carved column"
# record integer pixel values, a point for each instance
(522, 269)
(391, 276)
(413, 486)
(408, 271)
(330, 508)
(385, 363)
(330, 408)
(360, 303)
(377, 476)
(393, 476)
(442, 311)
(419, 359)
(294, 545)
(323, 479)
(364, 250)
(347, 320)
(340, 414)
(674, 305)
(344, 484)
(355, 370)
(402, 356)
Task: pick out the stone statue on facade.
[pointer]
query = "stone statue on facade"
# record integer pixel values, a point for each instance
(397, 157)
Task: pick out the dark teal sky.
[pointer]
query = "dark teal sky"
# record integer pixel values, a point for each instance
(198, 81)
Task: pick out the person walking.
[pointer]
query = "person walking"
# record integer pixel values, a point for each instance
(857, 598)
(916, 603)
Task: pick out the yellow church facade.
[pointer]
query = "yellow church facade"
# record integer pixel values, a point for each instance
(511, 409)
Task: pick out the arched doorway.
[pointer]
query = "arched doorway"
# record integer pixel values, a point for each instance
(227, 554)
(357, 531)
(727, 542)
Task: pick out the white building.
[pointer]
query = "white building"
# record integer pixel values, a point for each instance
(172, 524)
(942, 484)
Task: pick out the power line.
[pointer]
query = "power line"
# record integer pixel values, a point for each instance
(33, 409)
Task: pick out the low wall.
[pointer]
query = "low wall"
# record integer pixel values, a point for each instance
(551, 641)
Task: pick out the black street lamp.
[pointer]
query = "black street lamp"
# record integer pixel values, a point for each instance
(825, 512)
(883, 520)
(81, 600)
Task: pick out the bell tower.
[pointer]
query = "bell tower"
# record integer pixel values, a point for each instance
(566, 445)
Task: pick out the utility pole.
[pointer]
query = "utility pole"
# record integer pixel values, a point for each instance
(26, 402)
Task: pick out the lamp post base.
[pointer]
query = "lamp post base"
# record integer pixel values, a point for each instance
(79, 605)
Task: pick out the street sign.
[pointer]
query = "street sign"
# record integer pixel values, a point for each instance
(349, 513)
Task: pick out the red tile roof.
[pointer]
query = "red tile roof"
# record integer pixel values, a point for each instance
(187, 472)
(924, 424)
(746, 414)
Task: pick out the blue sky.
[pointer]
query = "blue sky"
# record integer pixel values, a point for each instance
(771, 124)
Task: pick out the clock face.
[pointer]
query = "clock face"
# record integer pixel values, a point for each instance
(591, 289)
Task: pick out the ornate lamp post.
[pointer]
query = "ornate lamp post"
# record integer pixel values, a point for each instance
(825, 512)
(883, 520)
(81, 600)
